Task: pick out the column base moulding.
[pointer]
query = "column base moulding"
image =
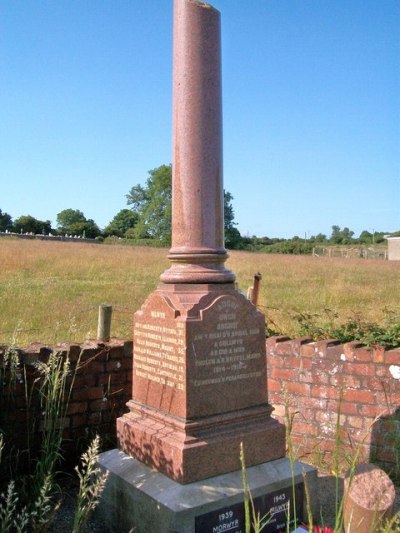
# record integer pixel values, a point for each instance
(189, 450)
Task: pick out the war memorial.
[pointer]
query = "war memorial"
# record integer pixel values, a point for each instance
(199, 373)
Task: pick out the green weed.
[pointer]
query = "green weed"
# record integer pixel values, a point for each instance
(330, 325)
(91, 485)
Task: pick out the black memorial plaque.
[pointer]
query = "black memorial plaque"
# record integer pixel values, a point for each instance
(275, 506)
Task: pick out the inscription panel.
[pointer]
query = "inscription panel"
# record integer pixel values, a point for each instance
(277, 508)
(159, 365)
(159, 353)
(226, 363)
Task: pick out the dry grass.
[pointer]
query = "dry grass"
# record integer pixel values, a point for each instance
(51, 290)
(294, 284)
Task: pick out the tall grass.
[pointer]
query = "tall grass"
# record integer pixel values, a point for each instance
(342, 464)
(91, 485)
(28, 502)
(53, 288)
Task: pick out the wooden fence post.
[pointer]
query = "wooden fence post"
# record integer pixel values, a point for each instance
(104, 323)
(256, 288)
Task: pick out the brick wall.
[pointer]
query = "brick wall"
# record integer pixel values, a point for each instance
(102, 386)
(316, 380)
(319, 381)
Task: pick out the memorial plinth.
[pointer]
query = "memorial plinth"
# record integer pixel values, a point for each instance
(199, 384)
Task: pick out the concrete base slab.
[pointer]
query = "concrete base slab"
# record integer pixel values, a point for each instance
(137, 498)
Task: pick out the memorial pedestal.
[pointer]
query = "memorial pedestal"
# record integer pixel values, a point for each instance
(199, 384)
(137, 498)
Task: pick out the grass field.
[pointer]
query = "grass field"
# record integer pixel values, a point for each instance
(50, 291)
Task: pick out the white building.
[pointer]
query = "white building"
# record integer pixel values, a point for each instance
(393, 248)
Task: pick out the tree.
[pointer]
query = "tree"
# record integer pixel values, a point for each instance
(74, 222)
(344, 236)
(321, 237)
(29, 224)
(152, 205)
(5, 222)
(123, 221)
(365, 237)
(67, 218)
(233, 239)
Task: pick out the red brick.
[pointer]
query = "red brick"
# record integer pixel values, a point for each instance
(304, 428)
(95, 393)
(105, 378)
(84, 379)
(383, 400)
(378, 354)
(349, 408)
(305, 376)
(93, 352)
(325, 392)
(95, 418)
(359, 369)
(93, 367)
(349, 349)
(297, 343)
(305, 416)
(351, 382)
(283, 348)
(274, 385)
(361, 396)
(316, 404)
(274, 361)
(347, 381)
(307, 350)
(363, 355)
(116, 365)
(114, 390)
(356, 422)
(325, 445)
(328, 366)
(76, 407)
(322, 347)
(300, 388)
(80, 394)
(297, 362)
(370, 411)
(79, 420)
(334, 352)
(387, 455)
(283, 374)
(271, 342)
(116, 352)
(376, 384)
(392, 357)
(320, 378)
(98, 405)
(127, 364)
(382, 371)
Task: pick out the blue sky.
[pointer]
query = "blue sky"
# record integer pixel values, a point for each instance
(311, 96)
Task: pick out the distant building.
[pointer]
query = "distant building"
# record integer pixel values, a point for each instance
(393, 248)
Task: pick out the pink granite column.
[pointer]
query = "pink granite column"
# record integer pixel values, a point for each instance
(197, 254)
